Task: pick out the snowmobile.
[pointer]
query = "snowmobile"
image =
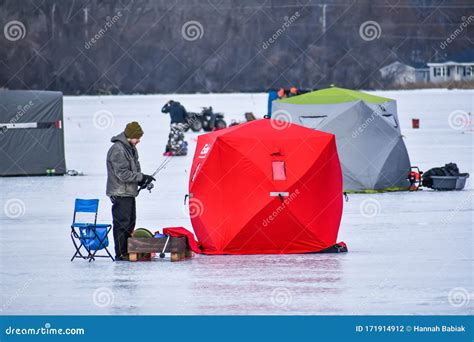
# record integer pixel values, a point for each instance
(207, 120)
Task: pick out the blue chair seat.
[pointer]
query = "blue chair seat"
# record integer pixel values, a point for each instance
(92, 240)
(90, 225)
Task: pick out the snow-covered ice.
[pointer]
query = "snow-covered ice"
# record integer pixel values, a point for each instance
(409, 253)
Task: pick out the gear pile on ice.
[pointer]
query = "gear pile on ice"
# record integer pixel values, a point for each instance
(446, 177)
(177, 146)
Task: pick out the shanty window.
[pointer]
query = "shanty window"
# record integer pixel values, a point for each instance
(278, 170)
(312, 121)
(390, 118)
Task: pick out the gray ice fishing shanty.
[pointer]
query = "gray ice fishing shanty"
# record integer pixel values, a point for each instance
(369, 141)
(31, 133)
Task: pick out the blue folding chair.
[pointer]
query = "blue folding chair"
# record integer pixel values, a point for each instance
(91, 236)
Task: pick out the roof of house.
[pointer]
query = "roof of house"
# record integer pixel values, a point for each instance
(396, 64)
(449, 63)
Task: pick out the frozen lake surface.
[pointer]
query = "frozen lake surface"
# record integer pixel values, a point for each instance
(409, 253)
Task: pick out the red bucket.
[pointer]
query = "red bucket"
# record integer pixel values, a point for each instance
(415, 123)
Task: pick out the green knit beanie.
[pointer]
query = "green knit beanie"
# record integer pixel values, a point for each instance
(133, 130)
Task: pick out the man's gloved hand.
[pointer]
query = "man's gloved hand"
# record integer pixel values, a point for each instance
(146, 180)
(150, 187)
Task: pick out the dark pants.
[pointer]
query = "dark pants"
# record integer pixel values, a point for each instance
(124, 216)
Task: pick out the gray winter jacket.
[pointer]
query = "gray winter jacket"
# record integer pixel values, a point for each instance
(123, 168)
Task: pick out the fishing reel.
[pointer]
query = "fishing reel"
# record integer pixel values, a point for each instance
(149, 186)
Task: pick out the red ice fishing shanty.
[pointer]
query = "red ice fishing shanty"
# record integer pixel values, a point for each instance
(266, 187)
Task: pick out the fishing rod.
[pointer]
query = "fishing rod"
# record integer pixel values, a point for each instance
(149, 186)
(162, 165)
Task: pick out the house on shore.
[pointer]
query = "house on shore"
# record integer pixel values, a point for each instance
(398, 73)
(451, 71)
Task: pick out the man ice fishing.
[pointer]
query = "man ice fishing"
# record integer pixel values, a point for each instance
(124, 179)
(176, 145)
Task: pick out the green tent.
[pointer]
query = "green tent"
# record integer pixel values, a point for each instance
(334, 95)
(370, 145)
